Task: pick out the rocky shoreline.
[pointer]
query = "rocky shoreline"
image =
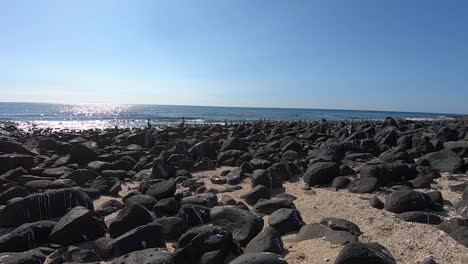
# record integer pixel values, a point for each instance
(392, 191)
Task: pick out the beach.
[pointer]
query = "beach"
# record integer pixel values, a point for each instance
(325, 191)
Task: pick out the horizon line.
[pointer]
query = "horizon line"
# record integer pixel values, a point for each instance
(255, 107)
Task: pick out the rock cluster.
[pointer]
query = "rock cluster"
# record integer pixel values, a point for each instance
(49, 180)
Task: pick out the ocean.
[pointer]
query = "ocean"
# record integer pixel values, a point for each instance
(87, 116)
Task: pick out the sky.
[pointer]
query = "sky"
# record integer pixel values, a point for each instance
(364, 54)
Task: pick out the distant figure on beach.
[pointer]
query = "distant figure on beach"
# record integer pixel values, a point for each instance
(183, 122)
(225, 122)
(149, 124)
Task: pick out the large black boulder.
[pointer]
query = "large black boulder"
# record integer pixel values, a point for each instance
(269, 206)
(321, 173)
(80, 224)
(131, 216)
(84, 153)
(206, 244)
(43, 206)
(33, 256)
(142, 237)
(445, 161)
(371, 253)
(286, 220)
(162, 189)
(194, 215)
(243, 224)
(256, 193)
(406, 200)
(420, 217)
(13, 161)
(27, 236)
(457, 229)
(269, 240)
(341, 225)
(172, 227)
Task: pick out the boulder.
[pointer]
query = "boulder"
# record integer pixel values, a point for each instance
(321, 173)
(194, 215)
(256, 193)
(457, 229)
(27, 236)
(405, 201)
(131, 216)
(43, 206)
(243, 224)
(142, 237)
(341, 225)
(445, 161)
(162, 189)
(371, 253)
(271, 205)
(84, 153)
(79, 224)
(286, 220)
(420, 217)
(269, 240)
(146, 256)
(33, 256)
(13, 161)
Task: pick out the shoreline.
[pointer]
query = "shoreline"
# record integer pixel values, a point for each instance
(238, 176)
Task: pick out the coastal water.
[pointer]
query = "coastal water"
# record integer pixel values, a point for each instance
(85, 116)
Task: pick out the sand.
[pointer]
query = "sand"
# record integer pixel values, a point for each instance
(408, 242)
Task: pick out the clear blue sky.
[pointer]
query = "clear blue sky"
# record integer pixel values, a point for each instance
(363, 54)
